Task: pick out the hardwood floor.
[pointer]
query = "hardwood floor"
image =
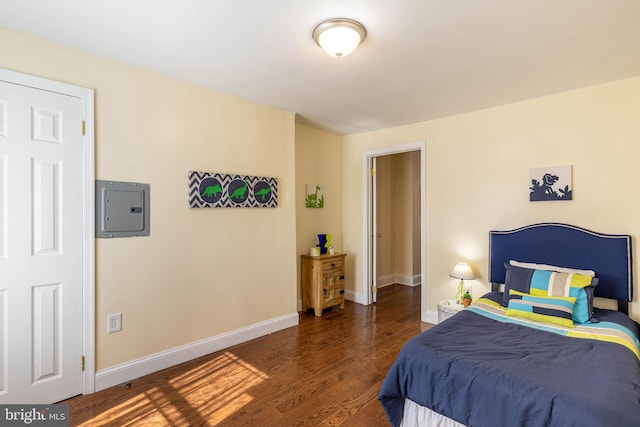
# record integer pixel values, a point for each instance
(326, 371)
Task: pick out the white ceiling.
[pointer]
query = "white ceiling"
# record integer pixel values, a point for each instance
(422, 59)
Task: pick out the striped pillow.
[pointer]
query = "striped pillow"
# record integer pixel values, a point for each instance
(556, 310)
(556, 284)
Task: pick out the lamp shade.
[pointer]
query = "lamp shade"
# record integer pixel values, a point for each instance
(462, 271)
(339, 37)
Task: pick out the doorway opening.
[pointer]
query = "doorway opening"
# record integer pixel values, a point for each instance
(370, 221)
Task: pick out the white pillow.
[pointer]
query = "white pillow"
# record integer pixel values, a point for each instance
(533, 266)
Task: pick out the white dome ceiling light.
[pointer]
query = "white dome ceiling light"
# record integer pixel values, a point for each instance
(340, 36)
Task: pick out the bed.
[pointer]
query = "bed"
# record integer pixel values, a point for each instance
(533, 351)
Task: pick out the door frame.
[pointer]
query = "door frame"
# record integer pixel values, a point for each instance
(88, 211)
(368, 212)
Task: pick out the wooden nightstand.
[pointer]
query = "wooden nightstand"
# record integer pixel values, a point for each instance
(448, 308)
(322, 282)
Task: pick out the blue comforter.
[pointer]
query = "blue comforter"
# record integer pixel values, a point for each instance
(481, 370)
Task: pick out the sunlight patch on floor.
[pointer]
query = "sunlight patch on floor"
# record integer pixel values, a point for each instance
(212, 391)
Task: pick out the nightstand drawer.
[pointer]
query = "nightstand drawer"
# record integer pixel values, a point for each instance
(332, 297)
(333, 280)
(331, 266)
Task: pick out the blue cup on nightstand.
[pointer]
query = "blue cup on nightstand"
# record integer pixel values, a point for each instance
(322, 239)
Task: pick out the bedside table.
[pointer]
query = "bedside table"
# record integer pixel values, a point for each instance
(447, 308)
(322, 282)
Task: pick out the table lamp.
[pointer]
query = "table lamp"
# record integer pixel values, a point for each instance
(463, 272)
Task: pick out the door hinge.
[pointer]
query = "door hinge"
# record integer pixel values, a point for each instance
(373, 171)
(83, 128)
(83, 362)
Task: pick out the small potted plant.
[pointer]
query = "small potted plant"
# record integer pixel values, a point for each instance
(466, 298)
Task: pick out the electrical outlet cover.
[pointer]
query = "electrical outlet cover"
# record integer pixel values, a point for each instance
(114, 323)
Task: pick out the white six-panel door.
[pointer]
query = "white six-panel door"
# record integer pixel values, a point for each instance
(41, 245)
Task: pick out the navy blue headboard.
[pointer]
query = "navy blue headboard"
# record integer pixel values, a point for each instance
(566, 245)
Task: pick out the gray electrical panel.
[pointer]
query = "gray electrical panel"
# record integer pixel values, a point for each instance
(122, 209)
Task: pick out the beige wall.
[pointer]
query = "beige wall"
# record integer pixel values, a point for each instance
(406, 234)
(318, 161)
(385, 209)
(416, 216)
(477, 175)
(202, 272)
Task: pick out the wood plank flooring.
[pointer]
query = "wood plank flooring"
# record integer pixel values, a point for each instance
(325, 372)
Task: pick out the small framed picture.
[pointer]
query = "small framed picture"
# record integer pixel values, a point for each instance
(315, 197)
(551, 183)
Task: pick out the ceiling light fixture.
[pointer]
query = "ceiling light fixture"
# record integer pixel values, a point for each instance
(340, 36)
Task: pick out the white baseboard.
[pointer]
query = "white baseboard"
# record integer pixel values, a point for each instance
(430, 317)
(356, 297)
(125, 372)
(385, 280)
(401, 279)
(417, 279)
(407, 280)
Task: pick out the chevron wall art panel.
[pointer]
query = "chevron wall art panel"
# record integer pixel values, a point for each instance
(218, 190)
